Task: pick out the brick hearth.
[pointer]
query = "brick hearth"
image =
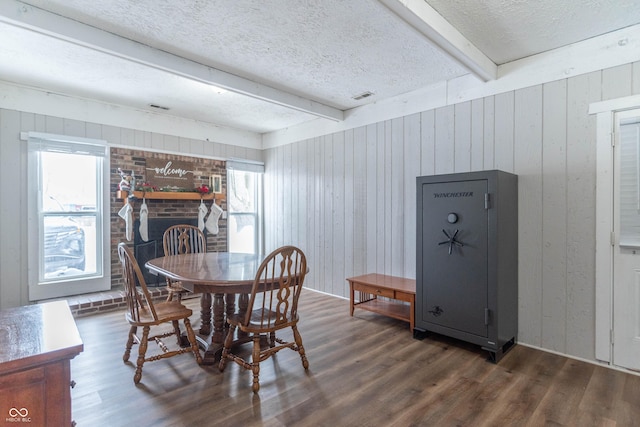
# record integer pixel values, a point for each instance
(87, 304)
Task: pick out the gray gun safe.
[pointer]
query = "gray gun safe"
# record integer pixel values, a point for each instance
(467, 258)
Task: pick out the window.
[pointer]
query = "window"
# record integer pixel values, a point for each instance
(67, 231)
(244, 204)
(630, 182)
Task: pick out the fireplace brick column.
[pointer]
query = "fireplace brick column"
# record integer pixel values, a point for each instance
(164, 210)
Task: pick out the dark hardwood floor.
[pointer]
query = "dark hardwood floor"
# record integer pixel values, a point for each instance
(364, 371)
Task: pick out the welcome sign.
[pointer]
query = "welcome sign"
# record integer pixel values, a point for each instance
(170, 174)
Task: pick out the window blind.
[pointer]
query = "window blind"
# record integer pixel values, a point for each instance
(66, 144)
(245, 166)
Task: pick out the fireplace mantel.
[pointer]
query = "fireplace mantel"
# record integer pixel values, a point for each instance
(169, 195)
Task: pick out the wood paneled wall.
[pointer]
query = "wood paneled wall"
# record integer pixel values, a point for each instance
(348, 199)
(13, 180)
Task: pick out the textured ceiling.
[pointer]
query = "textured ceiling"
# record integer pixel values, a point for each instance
(287, 54)
(327, 50)
(506, 30)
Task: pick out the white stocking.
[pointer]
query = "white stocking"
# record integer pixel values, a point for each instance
(212, 221)
(144, 229)
(126, 213)
(202, 211)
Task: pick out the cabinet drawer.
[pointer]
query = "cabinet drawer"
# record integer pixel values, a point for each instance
(404, 296)
(381, 292)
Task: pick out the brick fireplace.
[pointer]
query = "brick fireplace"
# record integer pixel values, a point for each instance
(161, 212)
(152, 248)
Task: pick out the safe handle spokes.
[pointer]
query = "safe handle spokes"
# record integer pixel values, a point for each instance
(451, 240)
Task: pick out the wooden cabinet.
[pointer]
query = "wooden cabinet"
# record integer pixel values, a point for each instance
(37, 343)
(394, 289)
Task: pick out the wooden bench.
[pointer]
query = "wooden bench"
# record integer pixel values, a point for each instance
(371, 286)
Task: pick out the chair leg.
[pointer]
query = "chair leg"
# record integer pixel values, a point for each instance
(225, 350)
(298, 338)
(141, 352)
(272, 339)
(192, 340)
(255, 362)
(127, 349)
(176, 331)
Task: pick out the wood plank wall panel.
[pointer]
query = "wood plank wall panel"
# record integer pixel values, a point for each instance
(444, 140)
(268, 217)
(372, 193)
(295, 191)
(427, 143)
(349, 224)
(396, 192)
(12, 251)
(308, 202)
(477, 135)
(617, 82)
(528, 164)
(581, 216)
(317, 197)
(542, 133)
(336, 178)
(385, 161)
(489, 132)
(554, 215)
(360, 205)
(301, 211)
(287, 202)
(462, 145)
(503, 128)
(412, 146)
(381, 198)
(13, 180)
(326, 227)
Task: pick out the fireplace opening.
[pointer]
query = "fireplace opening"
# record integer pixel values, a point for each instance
(152, 248)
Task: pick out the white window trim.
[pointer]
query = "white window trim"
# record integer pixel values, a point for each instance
(258, 168)
(605, 112)
(71, 286)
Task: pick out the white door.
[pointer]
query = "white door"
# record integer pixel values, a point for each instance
(626, 251)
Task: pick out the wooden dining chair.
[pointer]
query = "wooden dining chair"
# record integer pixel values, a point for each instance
(182, 239)
(142, 312)
(273, 305)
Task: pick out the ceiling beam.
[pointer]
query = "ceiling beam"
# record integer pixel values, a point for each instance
(28, 17)
(432, 25)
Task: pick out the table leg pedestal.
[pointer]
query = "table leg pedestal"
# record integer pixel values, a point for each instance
(205, 314)
(230, 306)
(224, 305)
(214, 350)
(243, 302)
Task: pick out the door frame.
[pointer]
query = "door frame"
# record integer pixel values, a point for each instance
(605, 112)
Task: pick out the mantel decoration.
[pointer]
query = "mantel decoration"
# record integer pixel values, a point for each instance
(168, 179)
(203, 189)
(147, 188)
(215, 182)
(169, 175)
(126, 181)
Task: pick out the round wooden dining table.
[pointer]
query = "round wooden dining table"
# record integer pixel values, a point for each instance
(221, 274)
